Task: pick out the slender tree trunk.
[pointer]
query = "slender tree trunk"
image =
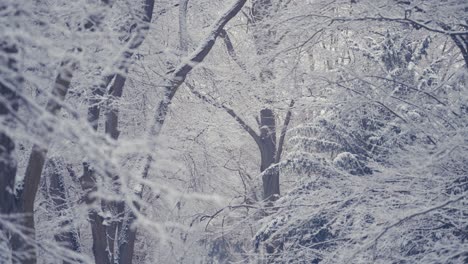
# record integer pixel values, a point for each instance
(262, 9)
(127, 239)
(58, 194)
(88, 184)
(38, 154)
(7, 169)
(8, 164)
(104, 236)
(98, 230)
(111, 128)
(125, 246)
(23, 250)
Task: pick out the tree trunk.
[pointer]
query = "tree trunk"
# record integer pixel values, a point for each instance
(38, 155)
(8, 164)
(98, 229)
(267, 147)
(22, 249)
(104, 236)
(264, 42)
(111, 128)
(7, 171)
(101, 250)
(127, 240)
(58, 194)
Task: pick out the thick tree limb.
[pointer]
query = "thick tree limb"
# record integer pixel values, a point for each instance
(183, 34)
(181, 72)
(232, 52)
(228, 110)
(284, 129)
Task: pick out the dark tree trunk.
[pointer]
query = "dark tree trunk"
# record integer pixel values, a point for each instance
(112, 114)
(88, 184)
(38, 155)
(7, 159)
(10, 85)
(111, 128)
(7, 171)
(98, 229)
(104, 235)
(125, 247)
(7, 147)
(58, 194)
(267, 147)
(101, 249)
(264, 40)
(127, 240)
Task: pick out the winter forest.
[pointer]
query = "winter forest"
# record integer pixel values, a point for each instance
(233, 131)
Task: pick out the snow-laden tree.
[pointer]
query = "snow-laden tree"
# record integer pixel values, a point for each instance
(375, 180)
(124, 122)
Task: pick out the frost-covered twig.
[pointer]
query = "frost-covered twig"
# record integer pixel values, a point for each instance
(375, 240)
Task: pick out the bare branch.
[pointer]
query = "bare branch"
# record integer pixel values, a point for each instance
(232, 52)
(228, 110)
(284, 129)
(374, 242)
(183, 34)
